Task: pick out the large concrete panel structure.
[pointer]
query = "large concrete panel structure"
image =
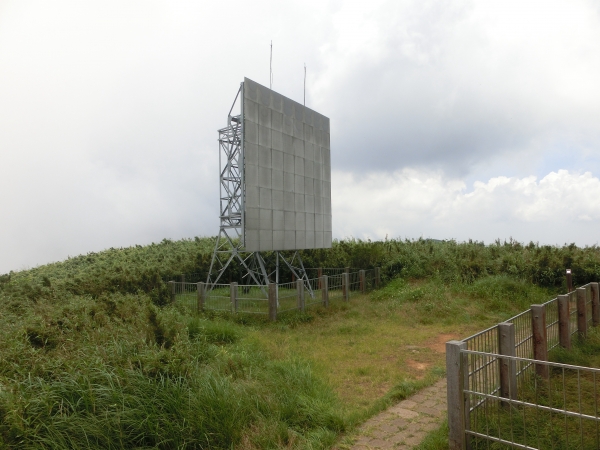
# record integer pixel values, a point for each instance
(287, 173)
(275, 186)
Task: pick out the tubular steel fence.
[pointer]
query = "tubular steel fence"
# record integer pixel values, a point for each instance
(274, 299)
(501, 386)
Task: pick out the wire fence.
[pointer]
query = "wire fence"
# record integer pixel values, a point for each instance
(339, 285)
(507, 360)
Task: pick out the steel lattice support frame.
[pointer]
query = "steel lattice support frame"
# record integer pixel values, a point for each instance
(230, 241)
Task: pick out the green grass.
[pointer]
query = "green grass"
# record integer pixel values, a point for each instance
(93, 355)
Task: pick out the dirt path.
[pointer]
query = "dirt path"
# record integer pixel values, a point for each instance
(403, 426)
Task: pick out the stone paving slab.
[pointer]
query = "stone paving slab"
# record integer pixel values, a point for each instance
(405, 425)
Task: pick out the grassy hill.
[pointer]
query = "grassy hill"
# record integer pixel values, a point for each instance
(91, 355)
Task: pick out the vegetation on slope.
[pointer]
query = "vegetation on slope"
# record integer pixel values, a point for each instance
(91, 355)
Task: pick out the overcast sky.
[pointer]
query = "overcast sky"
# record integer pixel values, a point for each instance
(465, 120)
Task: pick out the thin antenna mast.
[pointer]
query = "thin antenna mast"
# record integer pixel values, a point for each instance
(304, 84)
(271, 68)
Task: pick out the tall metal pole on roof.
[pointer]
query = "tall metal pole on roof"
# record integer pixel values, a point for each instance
(271, 68)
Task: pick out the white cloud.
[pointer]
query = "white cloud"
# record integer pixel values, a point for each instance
(561, 207)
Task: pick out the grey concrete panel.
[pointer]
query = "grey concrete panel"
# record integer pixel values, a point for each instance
(252, 196)
(318, 239)
(289, 163)
(250, 89)
(277, 162)
(326, 190)
(310, 239)
(251, 153)
(278, 239)
(309, 151)
(299, 166)
(266, 199)
(288, 107)
(264, 96)
(264, 136)
(326, 156)
(252, 218)
(309, 188)
(289, 240)
(299, 184)
(277, 180)
(326, 140)
(251, 243)
(299, 112)
(277, 102)
(251, 132)
(298, 129)
(288, 146)
(289, 201)
(310, 222)
(299, 203)
(288, 125)
(308, 116)
(327, 223)
(277, 198)
(309, 168)
(266, 219)
(264, 116)
(318, 155)
(266, 239)
(251, 175)
(300, 239)
(288, 181)
(278, 220)
(326, 173)
(289, 218)
(318, 188)
(319, 138)
(319, 223)
(276, 121)
(264, 156)
(327, 239)
(264, 177)
(276, 140)
(298, 147)
(309, 135)
(251, 110)
(318, 207)
(309, 204)
(326, 124)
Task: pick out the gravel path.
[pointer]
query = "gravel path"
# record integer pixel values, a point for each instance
(403, 426)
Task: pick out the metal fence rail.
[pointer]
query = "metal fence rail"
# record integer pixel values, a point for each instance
(497, 366)
(560, 411)
(290, 296)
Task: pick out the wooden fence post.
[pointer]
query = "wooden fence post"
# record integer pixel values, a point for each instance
(508, 367)
(172, 291)
(540, 339)
(564, 319)
(377, 278)
(201, 295)
(569, 281)
(273, 302)
(581, 312)
(319, 275)
(300, 289)
(595, 304)
(362, 280)
(347, 271)
(345, 286)
(325, 291)
(455, 379)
